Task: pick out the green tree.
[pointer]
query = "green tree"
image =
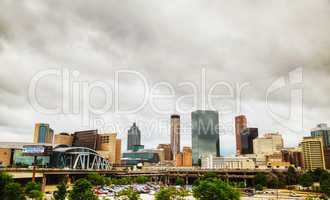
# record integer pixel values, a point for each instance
(13, 191)
(260, 179)
(96, 179)
(291, 176)
(305, 180)
(215, 189)
(82, 190)
(325, 183)
(141, 179)
(165, 194)
(317, 174)
(33, 190)
(129, 193)
(179, 181)
(5, 179)
(61, 192)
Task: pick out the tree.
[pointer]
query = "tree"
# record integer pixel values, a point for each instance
(61, 192)
(5, 179)
(141, 179)
(291, 176)
(325, 183)
(13, 191)
(129, 193)
(96, 179)
(214, 189)
(82, 190)
(317, 174)
(306, 180)
(179, 181)
(33, 190)
(165, 194)
(260, 179)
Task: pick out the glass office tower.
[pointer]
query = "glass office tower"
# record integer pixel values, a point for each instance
(205, 134)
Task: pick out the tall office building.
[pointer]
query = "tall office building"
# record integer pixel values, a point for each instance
(247, 137)
(175, 134)
(133, 137)
(240, 125)
(43, 133)
(312, 148)
(86, 139)
(269, 144)
(323, 131)
(205, 134)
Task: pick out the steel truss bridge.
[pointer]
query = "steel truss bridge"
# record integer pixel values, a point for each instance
(78, 158)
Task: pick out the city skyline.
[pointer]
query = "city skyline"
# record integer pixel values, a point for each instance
(148, 38)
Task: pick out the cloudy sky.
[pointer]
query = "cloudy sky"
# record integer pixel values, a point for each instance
(101, 64)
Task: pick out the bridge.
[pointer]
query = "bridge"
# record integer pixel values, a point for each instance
(157, 174)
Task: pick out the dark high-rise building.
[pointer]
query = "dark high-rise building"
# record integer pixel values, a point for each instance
(247, 137)
(240, 125)
(133, 137)
(205, 134)
(87, 139)
(323, 131)
(175, 134)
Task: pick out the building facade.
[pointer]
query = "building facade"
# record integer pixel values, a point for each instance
(240, 125)
(133, 137)
(213, 162)
(86, 139)
(187, 157)
(63, 138)
(312, 148)
(294, 156)
(43, 133)
(106, 146)
(269, 144)
(118, 152)
(175, 134)
(167, 151)
(205, 134)
(247, 137)
(323, 131)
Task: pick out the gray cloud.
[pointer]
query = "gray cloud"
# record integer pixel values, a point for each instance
(237, 41)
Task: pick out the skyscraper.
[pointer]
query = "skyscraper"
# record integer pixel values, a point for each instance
(269, 144)
(312, 148)
(247, 137)
(323, 131)
(133, 137)
(43, 133)
(175, 134)
(240, 125)
(205, 134)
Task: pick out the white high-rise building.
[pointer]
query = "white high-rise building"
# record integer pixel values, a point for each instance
(270, 144)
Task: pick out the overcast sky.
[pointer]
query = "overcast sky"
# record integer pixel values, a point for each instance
(275, 48)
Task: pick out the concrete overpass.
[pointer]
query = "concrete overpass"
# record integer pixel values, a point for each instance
(164, 175)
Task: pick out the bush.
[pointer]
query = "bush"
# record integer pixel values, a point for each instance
(61, 192)
(13, 191)
(33, 190)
